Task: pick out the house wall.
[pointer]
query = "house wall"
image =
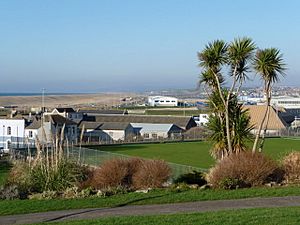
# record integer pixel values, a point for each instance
(154, 134)
(16, 135)
(116, 134)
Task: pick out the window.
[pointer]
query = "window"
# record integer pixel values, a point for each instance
(162, 101)
(156, 101)
(173, 101)
(167, 101)
(146, 135)
(154, 136)
(30, 134)
(8, 130)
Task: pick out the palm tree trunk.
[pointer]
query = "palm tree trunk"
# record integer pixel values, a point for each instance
(263, 120)
(226, 114)
(266, 124)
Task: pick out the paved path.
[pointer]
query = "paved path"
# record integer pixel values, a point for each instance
(200, 206)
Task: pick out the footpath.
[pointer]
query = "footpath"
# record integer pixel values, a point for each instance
(130, 210)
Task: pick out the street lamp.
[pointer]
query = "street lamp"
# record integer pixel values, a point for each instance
(3, 136)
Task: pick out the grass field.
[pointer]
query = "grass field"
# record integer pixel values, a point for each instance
(186, 112)
(265, 216)
(195, 153)
(160, 196)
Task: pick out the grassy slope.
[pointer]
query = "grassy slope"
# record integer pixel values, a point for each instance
(265, 216)
(196, 153)
(154, 197)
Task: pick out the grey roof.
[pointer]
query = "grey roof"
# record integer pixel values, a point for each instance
(114, 126)
(183, 122)
(90, 125)
(35, 124)
(60, 120)
(68, 110)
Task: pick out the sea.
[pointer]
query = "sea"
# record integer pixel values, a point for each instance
(37, 94)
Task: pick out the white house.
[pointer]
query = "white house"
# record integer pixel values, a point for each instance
(68, 113)
(52, 126)
(117, 131)
(203, 119)
(11, 133)
(157, 131)
(162, 101)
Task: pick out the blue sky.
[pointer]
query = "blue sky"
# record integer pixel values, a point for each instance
(132, 45)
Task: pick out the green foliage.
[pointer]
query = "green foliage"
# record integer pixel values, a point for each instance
(239, 126)
(67, 174)
(194, 177)
(231, 183)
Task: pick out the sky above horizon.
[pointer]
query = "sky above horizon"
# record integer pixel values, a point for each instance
(132, 45)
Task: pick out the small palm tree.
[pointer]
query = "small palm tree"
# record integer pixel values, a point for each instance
(269, 64)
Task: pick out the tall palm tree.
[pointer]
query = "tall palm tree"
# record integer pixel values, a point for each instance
(269, 64)
(217, 54)
(240, 53)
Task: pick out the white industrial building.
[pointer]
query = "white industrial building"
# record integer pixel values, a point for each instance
(162, 101)
(286, 102)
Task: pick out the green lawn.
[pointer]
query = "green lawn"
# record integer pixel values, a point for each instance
(195, 153)
(9, 207)
(264, 216)
(4, 168)
(186, 112)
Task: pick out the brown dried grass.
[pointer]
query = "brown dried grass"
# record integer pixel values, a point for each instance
(291, 165)
(131, 173)
(245, 169)
(152, 174)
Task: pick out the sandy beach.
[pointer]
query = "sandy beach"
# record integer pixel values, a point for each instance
(101, 99)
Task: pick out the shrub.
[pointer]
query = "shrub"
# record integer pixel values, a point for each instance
(9, 192)
(67, 174)
(291, 165)
(130, 174)
(192, 178)
(19, 176)
(115, 173)
(152, 174)
(40, 178)
(244, 169)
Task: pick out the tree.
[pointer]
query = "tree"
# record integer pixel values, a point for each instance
(239, 126)
(215, 56)
(268, 63)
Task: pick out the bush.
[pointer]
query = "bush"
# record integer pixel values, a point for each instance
(9, 192)
(244, 169)
(192, 178)
(152, 174)
(291, 165)
(39, 178)
(130, 174)
(112, 173)
(66, 175)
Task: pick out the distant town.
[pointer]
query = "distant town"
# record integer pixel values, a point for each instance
(151, 116)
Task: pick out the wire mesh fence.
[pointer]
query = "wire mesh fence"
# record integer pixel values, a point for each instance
(95, 157)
